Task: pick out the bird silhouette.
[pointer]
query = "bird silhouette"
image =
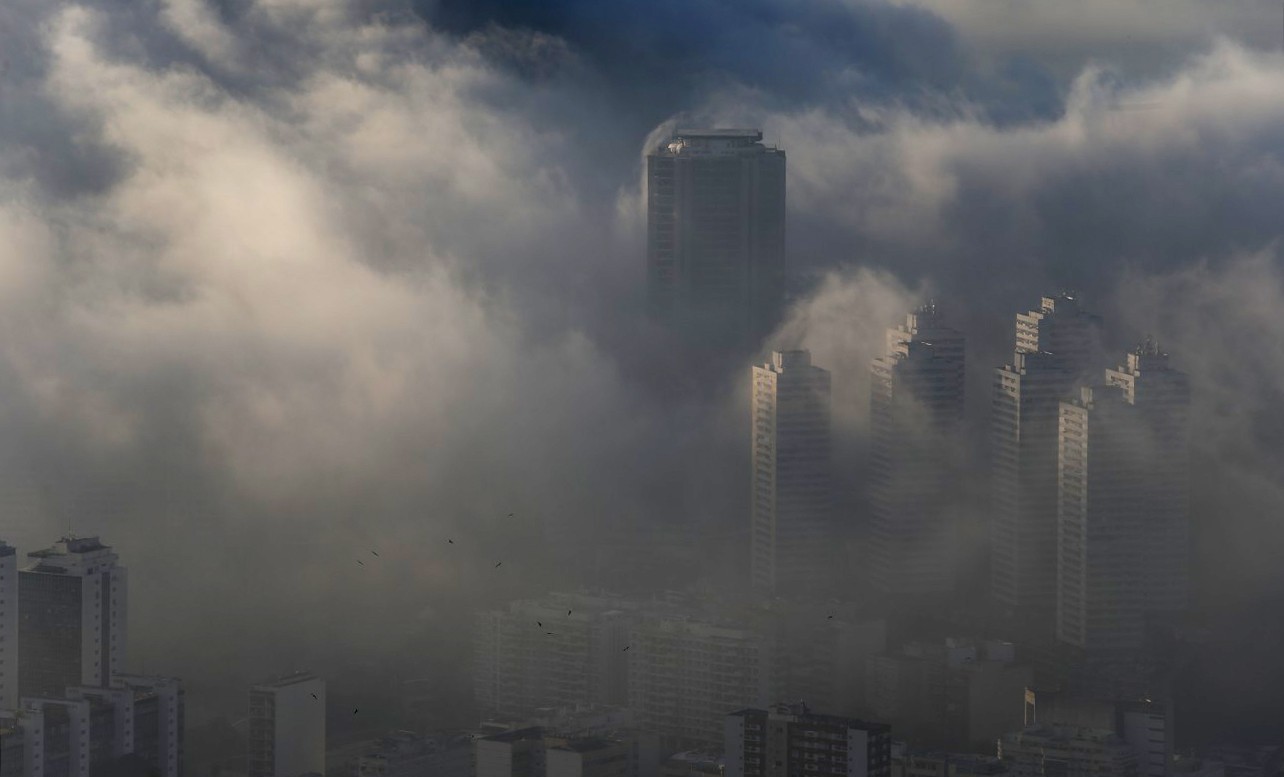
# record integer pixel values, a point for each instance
(626, 648)
(452, 542)
(830, 618)
(540, 624)
(315, 696)
(374, 553)
(551, 634)
(497, 563)
(354, 710)
(362, 563)
(568, 612)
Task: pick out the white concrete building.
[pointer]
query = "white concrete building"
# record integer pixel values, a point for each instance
(72, 616)
(1054, 348)
(287, 727)
(791, 521)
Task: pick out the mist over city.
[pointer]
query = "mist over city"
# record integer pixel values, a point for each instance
(582, 388)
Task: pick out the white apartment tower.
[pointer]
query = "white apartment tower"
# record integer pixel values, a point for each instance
(1054, 348)
(791, 519)
(916, 406)
(8, 627)
(287, 727)
(1123, 521)
(71, 617)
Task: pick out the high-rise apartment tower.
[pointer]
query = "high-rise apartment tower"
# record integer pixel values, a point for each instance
(716, 236)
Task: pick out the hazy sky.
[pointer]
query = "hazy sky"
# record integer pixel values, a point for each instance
(284, 280)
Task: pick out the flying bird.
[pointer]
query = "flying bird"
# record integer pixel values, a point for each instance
(626, 648)
(568, 612)
(362, 563)
(830, 618)
(452, 542)
(497, 563)
(354, 710)
(550, 633)
(315, 696)
(374, 552)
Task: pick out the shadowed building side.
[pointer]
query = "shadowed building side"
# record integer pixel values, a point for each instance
(716, 237)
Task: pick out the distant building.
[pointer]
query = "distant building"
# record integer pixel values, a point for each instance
(1145, 726)
(1065, 751)
(692, 763)
(789, 740)
(539, 752)
(406, 754)
(819, 650)
(716, 236)
(918, 762)
(686, 672)
(575, 658)
(518, 753)
(591, 757)
(791, 521)
(956, 694)
(1123, 518)
(287, 727)
(1054, 351)
(8, 627)
(158, 713)
(71, 617)
(916, 406)
(13, 752)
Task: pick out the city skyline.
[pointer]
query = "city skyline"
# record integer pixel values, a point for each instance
(803, 350)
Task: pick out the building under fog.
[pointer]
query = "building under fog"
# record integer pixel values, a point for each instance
(792, 528)
(8, 627)
(71, 617)
(287, 727)
(561, 651)
(1054, 351)
(916, 407)
(716, 235)
(1123, 520)
(134, 723)
(789, 739)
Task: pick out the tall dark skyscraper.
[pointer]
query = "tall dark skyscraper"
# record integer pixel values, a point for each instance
(716, 236)
(1054, 348)
(916, 407)
(71, 617)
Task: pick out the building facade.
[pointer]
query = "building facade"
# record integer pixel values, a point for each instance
(916, 408)
(1054, 351)
(1123, 512)
(791, 537)
(287, 727)
(71, 617)
(716, 235)
(789, 740)
(8, 627)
